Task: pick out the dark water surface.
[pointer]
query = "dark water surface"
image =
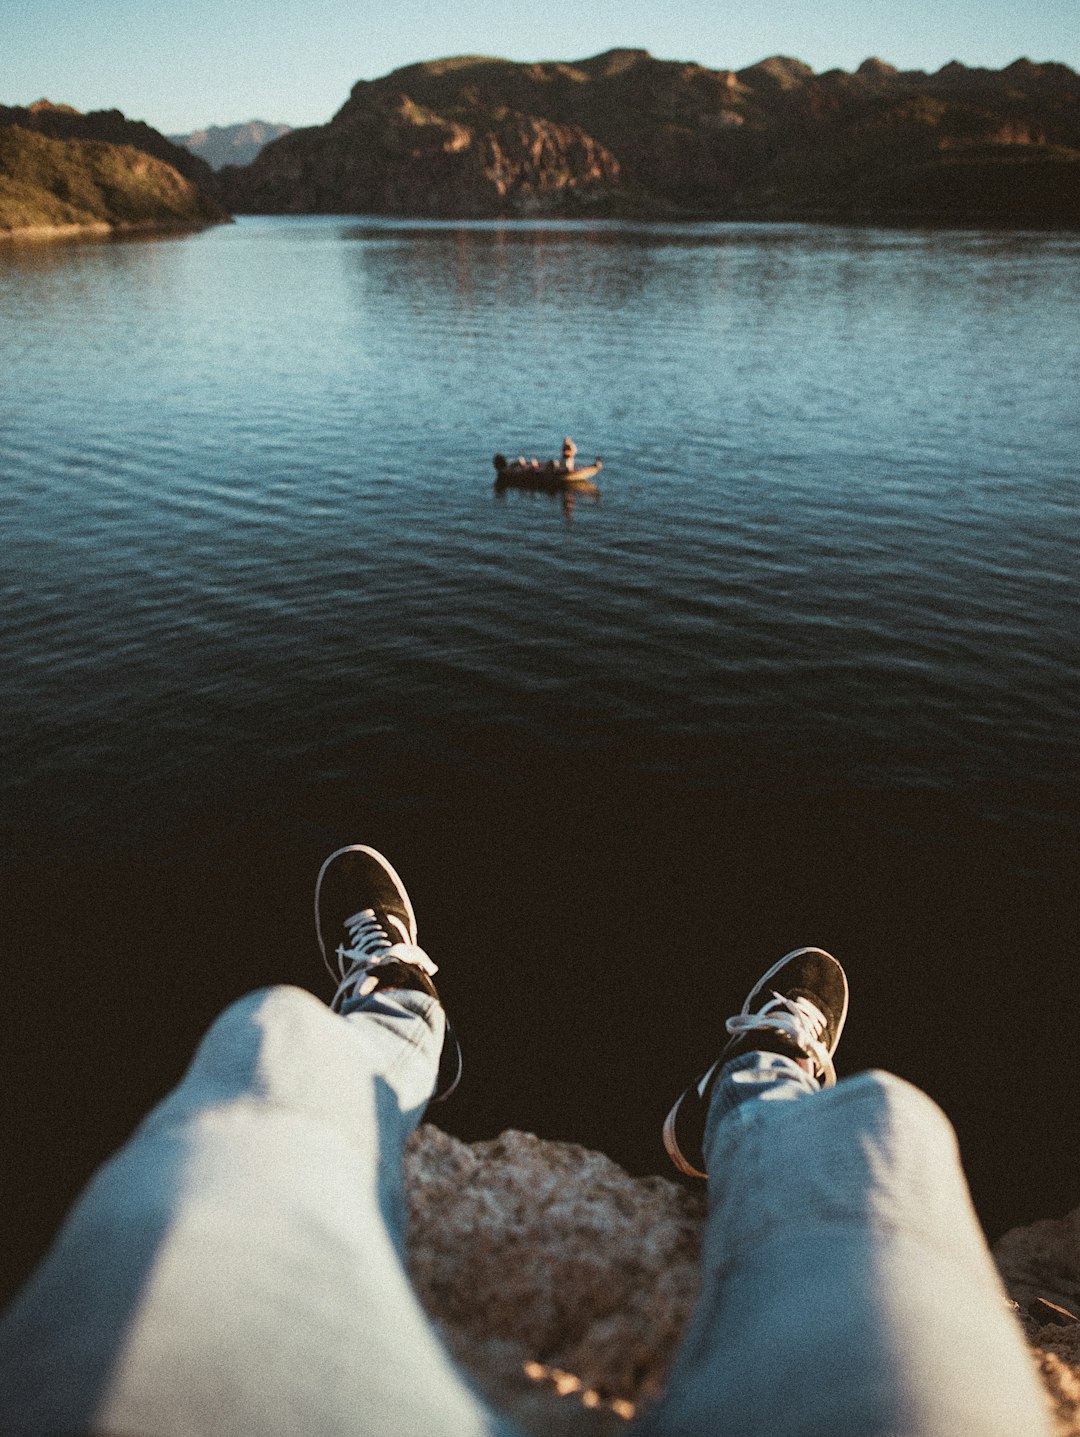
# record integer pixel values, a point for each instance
(808, 673)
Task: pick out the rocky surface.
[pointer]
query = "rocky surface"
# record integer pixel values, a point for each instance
(222, 145)
(563, 1284)
(52, 187)
(626, 134)
(1041, 1268)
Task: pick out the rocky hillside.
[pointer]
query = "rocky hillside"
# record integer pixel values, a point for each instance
(61, 122)
(623, 133)
(222, 145)
(389, 155)
(47, 184)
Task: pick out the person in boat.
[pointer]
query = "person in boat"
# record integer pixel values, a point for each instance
(514, 468)
(569, 453)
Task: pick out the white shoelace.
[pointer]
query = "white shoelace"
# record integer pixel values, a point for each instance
(796, 1018)
(368, 946)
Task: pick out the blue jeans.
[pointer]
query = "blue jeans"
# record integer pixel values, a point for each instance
(237, 1268)
(847, 1290)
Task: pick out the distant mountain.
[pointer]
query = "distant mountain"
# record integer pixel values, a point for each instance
(623, 133)
(231, 144)
(47, 183)
(61, 122)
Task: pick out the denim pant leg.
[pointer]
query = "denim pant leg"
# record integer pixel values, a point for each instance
(236, 1269)
(847, 1289)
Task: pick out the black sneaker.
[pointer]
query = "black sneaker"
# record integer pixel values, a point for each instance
(797, 1008)
(366, 929)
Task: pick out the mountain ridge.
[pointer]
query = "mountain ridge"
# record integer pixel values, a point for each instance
(236, 144)
(622, 133)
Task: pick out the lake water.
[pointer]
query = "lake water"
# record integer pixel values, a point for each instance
(808, 672)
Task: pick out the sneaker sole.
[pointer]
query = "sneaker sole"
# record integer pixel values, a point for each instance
(671, 1145)
(387, 868)
(671, 1141)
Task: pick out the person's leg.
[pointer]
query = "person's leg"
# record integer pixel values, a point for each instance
(847, 1288)
(237, 1267)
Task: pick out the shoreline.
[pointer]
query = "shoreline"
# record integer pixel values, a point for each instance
(98, 229)
(863, 219)
(34, 233)
(103, 229)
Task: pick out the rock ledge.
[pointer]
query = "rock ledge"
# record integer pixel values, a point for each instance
(563, 1284)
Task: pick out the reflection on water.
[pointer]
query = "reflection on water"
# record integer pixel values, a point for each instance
(567, 497)
(809, 672)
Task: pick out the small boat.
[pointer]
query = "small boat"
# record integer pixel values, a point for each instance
(550, 477)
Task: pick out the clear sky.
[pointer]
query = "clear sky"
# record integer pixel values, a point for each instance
(190, 63)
